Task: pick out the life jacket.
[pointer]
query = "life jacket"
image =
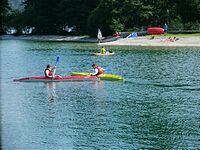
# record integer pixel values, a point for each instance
(100, 70)
(50, 73)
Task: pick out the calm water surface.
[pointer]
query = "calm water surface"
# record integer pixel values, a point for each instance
(157, 107)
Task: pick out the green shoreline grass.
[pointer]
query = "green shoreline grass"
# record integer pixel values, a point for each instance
(176, 35)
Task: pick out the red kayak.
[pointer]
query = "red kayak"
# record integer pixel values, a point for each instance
(155, 30)
(57, 79)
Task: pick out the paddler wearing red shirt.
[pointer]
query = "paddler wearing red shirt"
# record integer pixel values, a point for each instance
(98, 70)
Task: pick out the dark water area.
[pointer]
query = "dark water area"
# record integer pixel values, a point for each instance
(156, 107)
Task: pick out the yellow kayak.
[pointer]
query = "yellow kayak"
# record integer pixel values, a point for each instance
(102, 76)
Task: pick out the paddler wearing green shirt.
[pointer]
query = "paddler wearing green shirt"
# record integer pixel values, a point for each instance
(103, 50)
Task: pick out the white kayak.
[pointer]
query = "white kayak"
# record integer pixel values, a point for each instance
(106, 54)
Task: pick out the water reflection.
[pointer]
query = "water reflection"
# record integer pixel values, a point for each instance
(99, 91)
(51, 87)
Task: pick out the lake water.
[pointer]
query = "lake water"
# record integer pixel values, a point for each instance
(157, 107)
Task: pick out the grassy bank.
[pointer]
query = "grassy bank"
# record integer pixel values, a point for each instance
(175, 35)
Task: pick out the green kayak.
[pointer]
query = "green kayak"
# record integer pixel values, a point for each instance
(103, 76)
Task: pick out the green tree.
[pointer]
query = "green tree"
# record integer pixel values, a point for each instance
(50, 16)
(112, 15)
(4, 9)
(107, 17)
(188, 10)
(75, 13)
(137, 12)
(42, 15)
(15, 19)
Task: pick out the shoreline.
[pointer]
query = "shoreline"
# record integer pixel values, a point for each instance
(156, 42)
(54, 38)
(183, 41)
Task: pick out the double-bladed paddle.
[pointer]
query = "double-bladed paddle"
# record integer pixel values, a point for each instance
(54, 71)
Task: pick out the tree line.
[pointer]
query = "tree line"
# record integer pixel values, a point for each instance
(52, 16)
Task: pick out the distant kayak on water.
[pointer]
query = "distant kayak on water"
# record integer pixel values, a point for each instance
(105, 54)
(102, 76)
(56, 79)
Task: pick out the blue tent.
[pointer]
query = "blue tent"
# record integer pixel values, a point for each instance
(133, 35)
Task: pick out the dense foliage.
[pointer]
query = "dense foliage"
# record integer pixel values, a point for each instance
(4, 8)
(52, 16)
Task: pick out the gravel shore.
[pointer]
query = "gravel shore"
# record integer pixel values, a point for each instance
(50, 38)
(187, 41)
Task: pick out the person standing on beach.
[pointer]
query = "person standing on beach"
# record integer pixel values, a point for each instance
(165, 27)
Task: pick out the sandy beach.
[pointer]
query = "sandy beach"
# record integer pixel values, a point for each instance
(161, 41)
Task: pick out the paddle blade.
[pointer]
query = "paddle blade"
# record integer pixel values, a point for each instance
(107, 69)
(57, 60)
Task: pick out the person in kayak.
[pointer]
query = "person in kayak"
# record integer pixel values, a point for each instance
(103, 50)
(98, 70)
(48, 72)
